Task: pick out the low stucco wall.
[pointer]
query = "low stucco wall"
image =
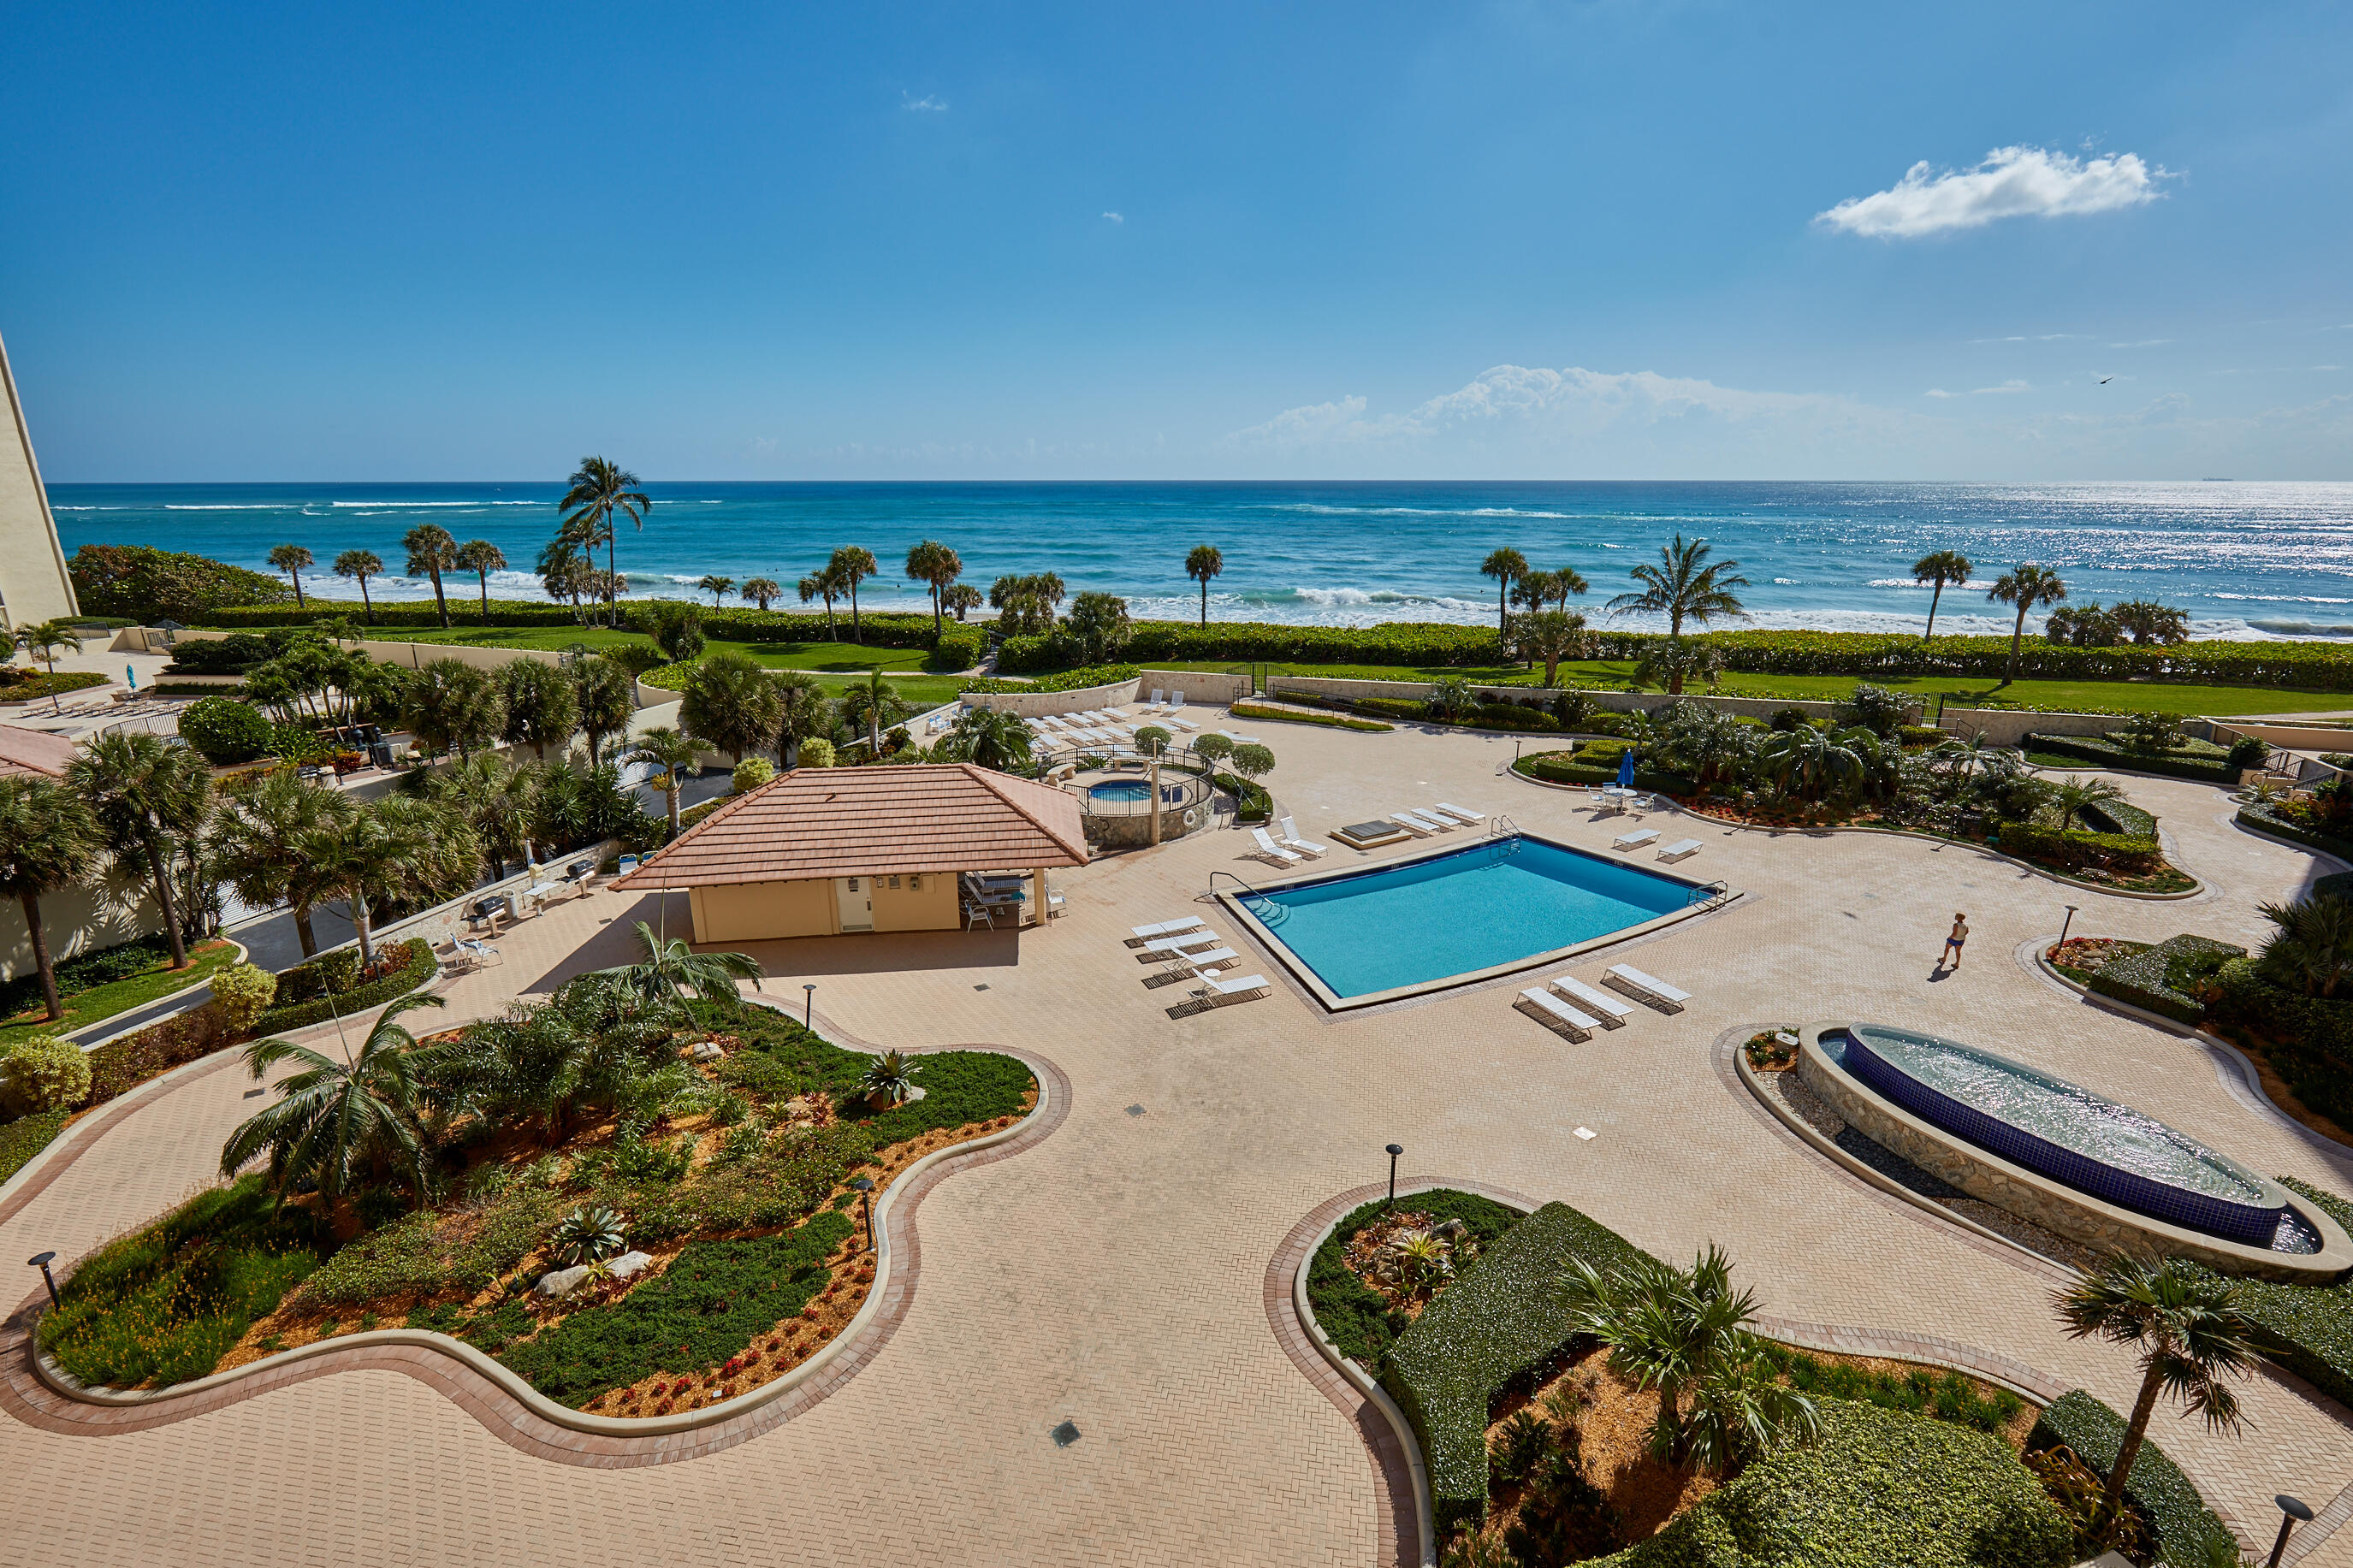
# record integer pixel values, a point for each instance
(766, 912)
(1046, 704)
(1210, 687)
(2008, 726)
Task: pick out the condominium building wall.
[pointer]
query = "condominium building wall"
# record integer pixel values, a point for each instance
(34, 585)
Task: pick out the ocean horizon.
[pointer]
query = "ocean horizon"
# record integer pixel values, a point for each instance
(2243, 560)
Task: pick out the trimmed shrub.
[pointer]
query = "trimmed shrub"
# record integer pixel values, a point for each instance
(958, 648)
(26, 1136)
(121, 1066)
(889, 629)
(405, 966)
(1183, 642)
(2120, 817)
(2166, 978)
(2185, 1525)
(1358, 1319)
(2197, 760)
(2310, 1038)
(1503, 1317)
(2307, 1329)
(225, 731)
(751, 773)
(1881, 1488)
(1921, 735)
(43, 1072)
(243, 992)
(1290, 716)
(2261, 819)
(1562, 767)
(232, 655)
(816, 753)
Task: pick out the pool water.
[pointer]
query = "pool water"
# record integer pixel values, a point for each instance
(1478, 908)
(1133, 789)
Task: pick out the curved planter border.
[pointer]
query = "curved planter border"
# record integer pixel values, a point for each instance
(2233, 818)
(34, 1390)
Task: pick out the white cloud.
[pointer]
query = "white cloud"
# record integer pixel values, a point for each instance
(1939, 392)
(1117, 217)
(2011, 182)
(927, 104)
(2036, 337)
(2143, 343)
(2005, 386)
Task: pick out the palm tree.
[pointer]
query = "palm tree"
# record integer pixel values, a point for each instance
(2191, 1336)
(732, 705)
(1683, 586)
(2313, 949)
(2151, 622)
(1672, 663)
(1506, 567)
(1666, 1327)
(824, 584)
(1809, 764)
(291, 559)
(394, 848)
(149, 800)
(451, 704)
(712, 584)
(361, 565)
(672, 752)
(605, 696)
(804, 712)
(937, 566)
(852, 564)
(962, 597)
(873, 700)
(338, 1122)
(760, 591)
(601, 494)
(661, 978)
(1202, 562)
(481, 557)
(2028, 587)
(991, 738)
(259, 843)
(2071, 795)
(432, 549)
(47, 839)
(543, 706)
(1552, 636)
(1741, 1408)
(1944, 568)
(42, 639)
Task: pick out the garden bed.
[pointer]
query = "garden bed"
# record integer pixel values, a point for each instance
(96, 986)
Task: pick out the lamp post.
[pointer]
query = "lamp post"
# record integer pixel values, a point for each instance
(41, 1260)
(808, 1006)
(1394, 1149)
(2291, 1513)
(864, 1187)
(2066, 925)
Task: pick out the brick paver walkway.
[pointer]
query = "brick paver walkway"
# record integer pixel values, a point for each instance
(1116, 1274)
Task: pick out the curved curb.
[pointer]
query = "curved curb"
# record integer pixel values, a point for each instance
(2234, 819)
(33, 1391)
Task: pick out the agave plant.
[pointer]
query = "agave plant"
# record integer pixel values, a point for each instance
(588, 1235)
(890, 1079)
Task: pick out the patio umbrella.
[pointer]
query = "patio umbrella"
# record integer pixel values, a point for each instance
(1625, 769)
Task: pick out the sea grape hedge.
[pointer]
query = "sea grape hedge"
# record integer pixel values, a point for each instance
(2205, 763)
(889, 628)
(147, 585)
(2187, 1531)
(1504, 1316)
(2157, 980)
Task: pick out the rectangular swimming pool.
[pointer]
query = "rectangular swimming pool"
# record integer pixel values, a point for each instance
(1453, 915)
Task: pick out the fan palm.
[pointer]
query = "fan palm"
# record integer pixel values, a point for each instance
(852, 564)
(662, 977)
(605, 696)
(1943, 569)
(760, 591)
(259, 844)
(1552, 636)
(47, 839)
(291, 559)
(2190, 1334)
(149, 799)
(1202, 562)
(730, 704)
(824, 584)
(717, 585)
(2071, 795)
(1684, 585)
(339, 1122)
(360, 565)
(962, 597)
(601, 493)
(672, 752)
(992, 738)
(874, 704)
(1506, 567)
(1741, 1408)
(1672, 663)
(393, 847)
(1811, 764)
(936, 566)
(42, 639)
(432, 549)
(2313, 949)
(2029, 587)
(1667, 1328)
(481, 557)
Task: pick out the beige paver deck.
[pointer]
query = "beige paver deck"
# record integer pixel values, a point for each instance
(1116, 1274)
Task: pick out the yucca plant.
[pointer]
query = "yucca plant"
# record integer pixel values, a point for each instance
(890, 1079)
(588, 1235)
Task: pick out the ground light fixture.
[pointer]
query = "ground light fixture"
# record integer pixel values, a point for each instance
(41, 1260)
(2066, 925)
(2291, 1513)
(864, 1187)
(1394, 1151)
(808, 1006)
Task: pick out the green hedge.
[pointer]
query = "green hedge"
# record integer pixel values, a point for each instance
(2187, 1531)
(1408, 643)
(2187, 763)
(1292, 716)
(419, 969)
(2310, 1038)
(2074, 847)
(2307, 1329)
(1882, 1488)
(2121, 817)
(1358, 1319)
(1554, 767)
(26, 1136)
(1066, 680)
(2157, 980)
(885, 629)
(2260, 819)
(959, 647)
(1505, 1315)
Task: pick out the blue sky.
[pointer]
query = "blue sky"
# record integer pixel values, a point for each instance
(1026, 242)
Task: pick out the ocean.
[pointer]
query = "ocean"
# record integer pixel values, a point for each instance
(2244, 560)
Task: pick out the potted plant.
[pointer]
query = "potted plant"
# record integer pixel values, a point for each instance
(890, 1079)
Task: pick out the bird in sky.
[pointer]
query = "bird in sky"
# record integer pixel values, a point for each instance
(2105, 379)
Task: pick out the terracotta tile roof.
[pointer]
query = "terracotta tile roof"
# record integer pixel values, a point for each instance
(853, 822)
(34, 752)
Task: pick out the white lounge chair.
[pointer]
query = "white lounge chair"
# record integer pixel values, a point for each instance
(1645, 988)
(1159, 699)
(1556, 1013)
(1176, 701)
(1238, 739)
(1290, 840)
(1681, 849)
(1635, 839)
(1185, 724)
(1414, 826)
(1204, 964)
(1430, 819)
(1165, 928)
(1612, 1012)
(1216, 992)
(1164, 947)
(1270, 849)
(1454, 810)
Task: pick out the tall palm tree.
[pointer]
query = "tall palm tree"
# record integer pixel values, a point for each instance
(661, 978)
(543, 706)
(717, 586)
(730, 704)
(42, 639)
(451, 704)
(962, 597)
(47, 839)
(936, 566)
(873, 701)
(149, 800)
(336, 1123)
(360, 565)
(852, 564)
(1506, 567)
(481, 557)
(760, 591)
(432, 549)
(672, 752)
(291, 559)
(1684, 585)
(804, 712)
(259, 843)
(1202, 562)
(1945, 569)
(605, 696)
(2028, 587)
(602, 493)
(824, 584)
(2190, 1334)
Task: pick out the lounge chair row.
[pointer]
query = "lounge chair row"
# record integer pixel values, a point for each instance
(1190, 950)
(1285, 846)
(1570, 1006)
(1424, 821)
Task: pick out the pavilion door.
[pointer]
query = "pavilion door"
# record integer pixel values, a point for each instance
(854, 897)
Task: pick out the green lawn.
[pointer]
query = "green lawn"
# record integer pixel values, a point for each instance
(2052, 696)
(99, 1002)
(836, 665)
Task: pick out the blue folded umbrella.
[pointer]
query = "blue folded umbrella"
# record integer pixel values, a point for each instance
(1625, 769)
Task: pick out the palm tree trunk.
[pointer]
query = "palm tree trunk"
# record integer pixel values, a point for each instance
(1502, 604)
(41, 959)
(612, 577)
(1933, 600)
(2017, 632)
(672, 793)
(366, 600)
(938, 621)
(2136, 1430)
(171, 909)
(486, 596)
(857, 631)
(1205, 603)
(299, 602)
(359, 924)
(303, 931)
(440, 602)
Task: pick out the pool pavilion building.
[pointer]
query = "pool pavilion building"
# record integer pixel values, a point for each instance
(833, 851)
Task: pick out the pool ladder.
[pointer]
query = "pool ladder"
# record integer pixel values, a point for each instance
(1716, 894)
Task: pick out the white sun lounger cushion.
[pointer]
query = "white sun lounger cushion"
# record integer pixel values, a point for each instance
(1235, 987)
(1267, 846)
(1679, 850)
(1635, 839)
(1290, 835)
(1210, 960)
(1430, 819)
(1626, 977)
(1558, 1011)
(1611, 1011)
(1179, 944)
(1452, 809)
(1412, 825)
(1167, 928)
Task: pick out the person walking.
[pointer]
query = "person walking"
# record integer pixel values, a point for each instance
(1954, 940)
